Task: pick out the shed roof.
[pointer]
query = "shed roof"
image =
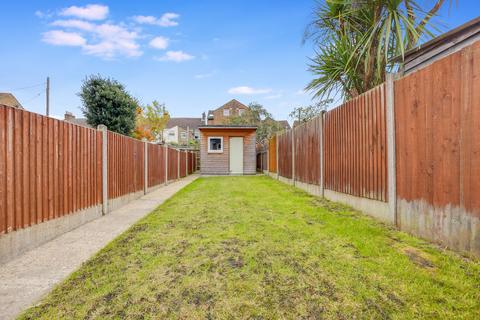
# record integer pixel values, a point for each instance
(228, 126)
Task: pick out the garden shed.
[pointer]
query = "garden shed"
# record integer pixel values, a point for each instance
(227, 149)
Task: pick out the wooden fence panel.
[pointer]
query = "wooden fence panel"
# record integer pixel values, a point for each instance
(156, 165)
(183, 164)
(172, 164)
(126, 165)
(285, 154)
(307, 151)
(191, 164)
(355, 151)
(272, 154)
(39, 179)
(437, 119)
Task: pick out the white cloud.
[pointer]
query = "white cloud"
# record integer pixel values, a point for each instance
(89, 12)
(166, 20)
(175, 56)
(75, 24)
(104, 40)
(108, 39)
(114, 40)
(300, 92)
(62, 38)
(248, 90)
(159, 43)
(145, 19)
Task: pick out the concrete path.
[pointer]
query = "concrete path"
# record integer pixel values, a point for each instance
(24, 280)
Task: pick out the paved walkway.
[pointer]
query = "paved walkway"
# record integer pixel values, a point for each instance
(24, 280)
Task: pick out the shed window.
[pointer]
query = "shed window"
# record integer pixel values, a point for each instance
(215, 144)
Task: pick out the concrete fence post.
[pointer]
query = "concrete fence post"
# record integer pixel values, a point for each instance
(321, 122)
(166, 164)
(276, 154)
(145, 166)
(293, 156)
(391, 163)
(104, 131)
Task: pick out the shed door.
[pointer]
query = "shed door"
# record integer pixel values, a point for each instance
(236, 155)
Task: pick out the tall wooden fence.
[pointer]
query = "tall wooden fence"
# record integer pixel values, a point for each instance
(183, 164)
(285, 163)
(355, 146)
(125, 165)
(437, 123)
(307, 151)
(51, 168)
(173, 162)
(156, 165)
(407, 151)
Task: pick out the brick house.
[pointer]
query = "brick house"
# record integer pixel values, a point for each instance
(178, 130)
(226, 149)
(221, 114)
(232, 108)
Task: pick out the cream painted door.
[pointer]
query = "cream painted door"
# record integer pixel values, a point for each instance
(236, 155)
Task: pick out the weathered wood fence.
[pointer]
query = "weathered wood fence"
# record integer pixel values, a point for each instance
(51, 168)
(407, 152)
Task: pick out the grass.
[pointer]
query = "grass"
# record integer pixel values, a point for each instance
(253, 248)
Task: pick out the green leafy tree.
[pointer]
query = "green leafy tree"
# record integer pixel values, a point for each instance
(105, 101)
(357, 39)
(304, 114)
(151, 120)
(258, 116)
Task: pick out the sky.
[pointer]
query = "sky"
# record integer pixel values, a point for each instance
(192, 55)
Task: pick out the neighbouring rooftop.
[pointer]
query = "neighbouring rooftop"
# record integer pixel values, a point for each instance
(437, 48)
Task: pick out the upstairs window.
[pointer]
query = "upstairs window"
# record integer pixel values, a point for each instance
(226, 112)
(215, 144)
(241, 111)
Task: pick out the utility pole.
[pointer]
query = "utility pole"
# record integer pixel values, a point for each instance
(47, 95)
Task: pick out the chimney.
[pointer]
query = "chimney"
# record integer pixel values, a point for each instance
(69, 116)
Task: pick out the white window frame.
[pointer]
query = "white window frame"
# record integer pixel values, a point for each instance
(215, 151)
(227, 111)
(241, 112)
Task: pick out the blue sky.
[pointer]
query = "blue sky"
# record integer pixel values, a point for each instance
(192, 55)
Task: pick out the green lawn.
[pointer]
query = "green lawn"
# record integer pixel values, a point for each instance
(254, 248)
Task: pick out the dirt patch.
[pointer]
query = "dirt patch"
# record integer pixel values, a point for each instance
(418, 258)
(132, 233)
(235, 262)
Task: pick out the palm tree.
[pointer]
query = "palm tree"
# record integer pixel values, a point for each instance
(356, 40)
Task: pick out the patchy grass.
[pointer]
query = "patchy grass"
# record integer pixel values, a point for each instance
(253, 248)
